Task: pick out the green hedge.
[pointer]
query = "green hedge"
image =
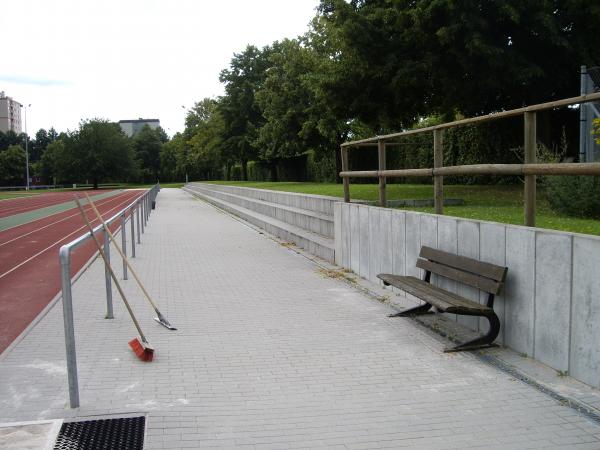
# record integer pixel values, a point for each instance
(577, 196)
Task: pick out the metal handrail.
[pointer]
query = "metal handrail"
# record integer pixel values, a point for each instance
(142, 206)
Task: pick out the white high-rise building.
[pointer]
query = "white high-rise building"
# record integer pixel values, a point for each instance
(10, 114)
(132, 127)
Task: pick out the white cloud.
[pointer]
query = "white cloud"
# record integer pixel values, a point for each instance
(127, 59)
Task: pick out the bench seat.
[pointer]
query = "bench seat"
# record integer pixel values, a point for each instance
(443, 300)
(480, 275)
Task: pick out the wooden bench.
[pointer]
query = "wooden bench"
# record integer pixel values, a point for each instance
(483, 276)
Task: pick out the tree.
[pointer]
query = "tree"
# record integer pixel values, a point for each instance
(97, 151)
(400, 60)
(284, 101)
(206, 151)
(38, 145)
(10, 138)
(12, 166)
(168, 158)
(48, 169)
(298, 118)
(147, 145)
(241, 114)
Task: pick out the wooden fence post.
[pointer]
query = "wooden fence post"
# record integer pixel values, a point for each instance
(345, 180)
(530, 145)
(438, 180)
(382, 180)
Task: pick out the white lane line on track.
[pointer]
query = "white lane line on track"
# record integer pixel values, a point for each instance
(107, 200)
(54, 244)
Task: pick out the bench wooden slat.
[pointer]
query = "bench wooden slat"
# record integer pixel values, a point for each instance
(441, 299)
(479, 282)
(497, 273)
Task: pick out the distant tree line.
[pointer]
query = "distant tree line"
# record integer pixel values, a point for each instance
(98, 151)
(363, 68)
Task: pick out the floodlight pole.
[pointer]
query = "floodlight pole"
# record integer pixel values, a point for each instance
(26, 151)
(186, 171)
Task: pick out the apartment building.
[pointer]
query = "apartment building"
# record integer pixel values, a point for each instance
(133, 127)
(10, 114)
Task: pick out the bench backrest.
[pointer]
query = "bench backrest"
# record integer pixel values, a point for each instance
(481, 275)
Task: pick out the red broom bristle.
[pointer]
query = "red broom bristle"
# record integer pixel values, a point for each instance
(144, 352)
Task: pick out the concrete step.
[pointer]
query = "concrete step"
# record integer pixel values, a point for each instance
(317, 203)
(314, 221)
(314, 243)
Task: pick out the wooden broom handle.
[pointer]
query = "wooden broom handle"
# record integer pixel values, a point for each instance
(112, 238)
(112, 273)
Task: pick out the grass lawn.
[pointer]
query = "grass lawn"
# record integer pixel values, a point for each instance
(495, 203)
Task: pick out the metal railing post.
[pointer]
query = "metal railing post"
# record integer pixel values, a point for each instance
(142, 214)
(108, 280)
(124, 243)
(132, 220)
(137, 215)
(382, 180)
(67, 301)
(438, 180)
(530, 158)
(345, 180)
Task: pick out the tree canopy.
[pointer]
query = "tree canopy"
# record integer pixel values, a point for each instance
(97, 151)
(400, 60)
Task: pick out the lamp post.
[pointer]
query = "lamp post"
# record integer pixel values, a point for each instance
(186, 173)
(26, 150)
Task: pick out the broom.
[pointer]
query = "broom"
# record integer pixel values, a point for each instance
(160, 319)
(142, 349)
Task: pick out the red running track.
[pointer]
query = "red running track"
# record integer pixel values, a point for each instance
(20, 205)
(29, 264)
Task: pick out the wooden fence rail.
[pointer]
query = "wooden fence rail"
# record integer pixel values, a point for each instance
(529, 170)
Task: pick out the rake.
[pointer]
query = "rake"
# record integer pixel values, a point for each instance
(141, 348)
(160, 318)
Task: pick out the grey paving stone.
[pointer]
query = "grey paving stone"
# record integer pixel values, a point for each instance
(271, 352)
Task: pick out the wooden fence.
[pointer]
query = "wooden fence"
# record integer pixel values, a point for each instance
(529, 170)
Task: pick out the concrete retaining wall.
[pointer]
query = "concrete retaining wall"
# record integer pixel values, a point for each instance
(550, 307)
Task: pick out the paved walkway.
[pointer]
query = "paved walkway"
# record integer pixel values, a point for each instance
(270, 354)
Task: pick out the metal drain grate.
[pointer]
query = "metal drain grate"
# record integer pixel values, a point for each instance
(106, 434)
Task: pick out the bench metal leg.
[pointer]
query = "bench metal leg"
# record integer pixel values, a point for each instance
(485, 341)
(417, 310)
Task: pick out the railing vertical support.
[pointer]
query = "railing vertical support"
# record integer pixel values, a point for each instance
(142, 213)
(107, 279)
(67, 301)
(438, 180)
(124, 243)
(137, 216)
(345, 180)
(132, 219)
(382, 180)
(530, 158)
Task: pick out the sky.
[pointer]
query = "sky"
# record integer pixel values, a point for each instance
(130, 59)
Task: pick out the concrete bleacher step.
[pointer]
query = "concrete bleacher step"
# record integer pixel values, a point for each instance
(310, 220)
(315, 243)
(318, 203)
